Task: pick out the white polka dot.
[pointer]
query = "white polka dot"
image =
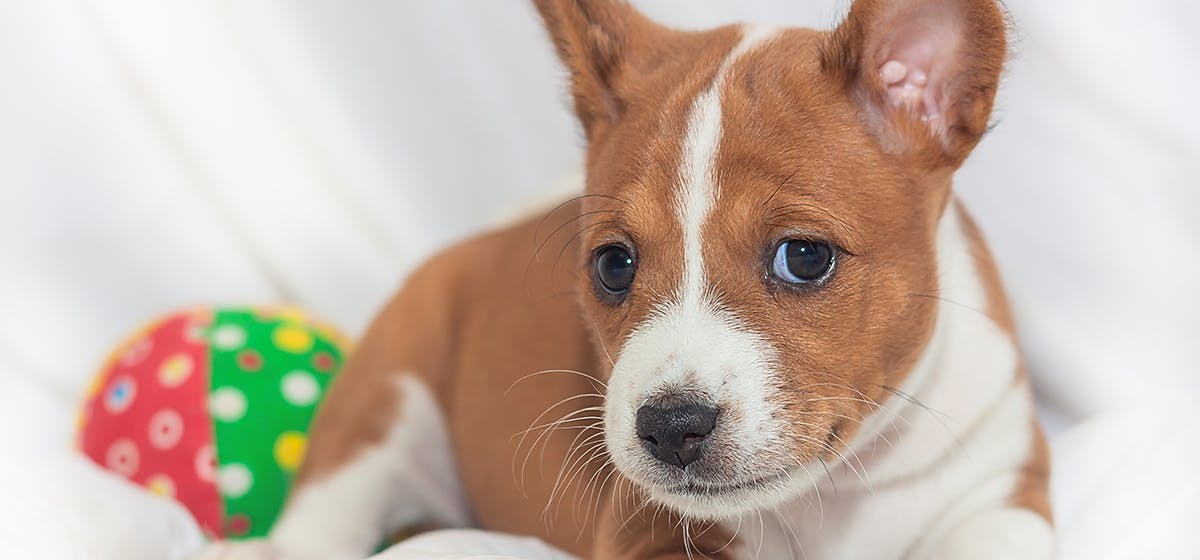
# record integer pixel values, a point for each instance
(229, 337)
(196, 331)
(122, 458)
(120, 395)
(165, 429)
(227, 404)
(138, 352)
(299, 388)
(234, 480)
(206, 463)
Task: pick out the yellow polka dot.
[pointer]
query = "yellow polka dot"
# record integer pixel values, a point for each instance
(289, 450)
(292, 338)
(161, 485)
(291, 315)
(175, 370)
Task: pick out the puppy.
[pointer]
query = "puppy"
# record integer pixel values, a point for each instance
(766, 330)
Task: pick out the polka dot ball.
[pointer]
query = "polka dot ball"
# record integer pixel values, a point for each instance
(211, 407)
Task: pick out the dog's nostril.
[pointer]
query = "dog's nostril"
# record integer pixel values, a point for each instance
(675, 434)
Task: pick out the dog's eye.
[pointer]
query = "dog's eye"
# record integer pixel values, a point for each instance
(800, 261)
(614, 268)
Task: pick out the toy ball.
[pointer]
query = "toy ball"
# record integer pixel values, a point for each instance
(212, 407)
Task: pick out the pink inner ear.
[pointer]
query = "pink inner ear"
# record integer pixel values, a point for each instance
(917, 58)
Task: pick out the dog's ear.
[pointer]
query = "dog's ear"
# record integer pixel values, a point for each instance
(923, 73)
(601, 42)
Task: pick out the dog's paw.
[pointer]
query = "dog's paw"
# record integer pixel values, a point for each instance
(245, 550)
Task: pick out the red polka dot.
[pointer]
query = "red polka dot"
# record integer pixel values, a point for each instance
(237, 525)
(323, 362)
(249, 360)
(205, 464)
(165, 429)
(123, 458)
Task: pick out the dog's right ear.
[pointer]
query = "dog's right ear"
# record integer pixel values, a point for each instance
(924, 73)
(600, 42)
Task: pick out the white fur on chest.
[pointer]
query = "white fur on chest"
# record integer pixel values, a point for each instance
(921, 464)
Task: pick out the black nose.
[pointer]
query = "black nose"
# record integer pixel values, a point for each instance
(674, 434)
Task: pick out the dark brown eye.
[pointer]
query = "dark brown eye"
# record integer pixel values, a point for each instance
(615, 268)
(800, 261)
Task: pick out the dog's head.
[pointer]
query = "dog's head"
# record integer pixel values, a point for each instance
(762, 207)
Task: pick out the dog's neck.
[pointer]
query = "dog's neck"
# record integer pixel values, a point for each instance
(962, 372)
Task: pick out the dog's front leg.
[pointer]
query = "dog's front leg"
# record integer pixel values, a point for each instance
(379, 457)
(383, 465)
(401, 474)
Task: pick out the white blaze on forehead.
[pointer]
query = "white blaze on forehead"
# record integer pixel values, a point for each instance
(698, 188)
(688, 340)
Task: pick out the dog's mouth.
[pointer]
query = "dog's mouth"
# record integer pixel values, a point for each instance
(698, 489)
(701, 499)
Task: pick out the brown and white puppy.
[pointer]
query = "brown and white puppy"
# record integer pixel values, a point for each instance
(766, 330)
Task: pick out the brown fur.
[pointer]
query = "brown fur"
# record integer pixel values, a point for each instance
(365, 392)
(1033, 489)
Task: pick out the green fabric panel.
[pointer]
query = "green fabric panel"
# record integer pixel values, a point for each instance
(265, 387)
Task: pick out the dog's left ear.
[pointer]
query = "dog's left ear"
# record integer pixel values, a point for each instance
(603, 43)
(923, 73)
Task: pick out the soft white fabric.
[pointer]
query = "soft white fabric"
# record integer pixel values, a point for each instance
(159, 154)
(1126, 484)
(65, 507)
